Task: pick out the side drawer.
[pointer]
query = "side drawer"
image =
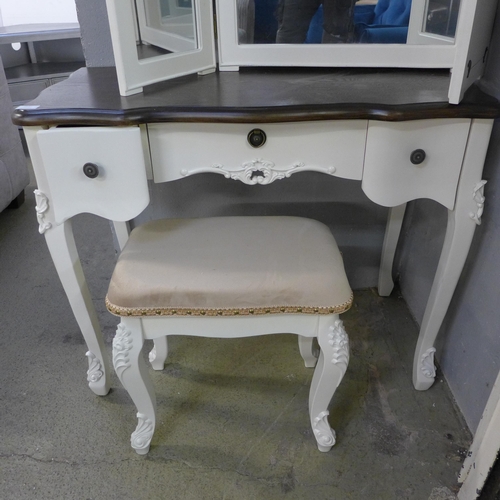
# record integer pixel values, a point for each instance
(416, 159)
(118, 192)
(331, 147)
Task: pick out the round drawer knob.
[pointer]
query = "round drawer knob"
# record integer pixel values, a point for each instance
(417, 156)
(91, 170)
(256, 138)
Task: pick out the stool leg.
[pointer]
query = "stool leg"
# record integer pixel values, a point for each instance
(308, 351)
(158, 355)
(332, 364)
(133, 373)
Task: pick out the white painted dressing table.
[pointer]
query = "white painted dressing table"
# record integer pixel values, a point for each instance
(392, 130)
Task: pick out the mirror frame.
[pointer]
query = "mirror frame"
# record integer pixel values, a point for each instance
(134, 73)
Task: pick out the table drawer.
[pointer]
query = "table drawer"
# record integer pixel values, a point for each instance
(118, 192)
(416, 159)
(331, 147)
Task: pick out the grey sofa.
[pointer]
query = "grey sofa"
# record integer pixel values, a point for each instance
(14, 176)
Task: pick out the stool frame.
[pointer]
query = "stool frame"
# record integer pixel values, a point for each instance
(331, 360)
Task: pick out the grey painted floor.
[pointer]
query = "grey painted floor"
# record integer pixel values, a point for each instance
(232, 415)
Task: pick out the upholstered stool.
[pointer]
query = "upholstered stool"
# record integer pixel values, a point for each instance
(230, 277)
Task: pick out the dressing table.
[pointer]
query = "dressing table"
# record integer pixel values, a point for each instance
(94, 151)
(420, 130)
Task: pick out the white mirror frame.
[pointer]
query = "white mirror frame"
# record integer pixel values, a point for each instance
(322, 55)
(472, 36)
(134, 73)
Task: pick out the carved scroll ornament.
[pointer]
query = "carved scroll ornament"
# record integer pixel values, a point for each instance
(325, 435)
(259, 171)
(122, 343)
(339, 341)
(95, 371)
(427, 363)
(479, 198)
(141, 437)
(42, 205)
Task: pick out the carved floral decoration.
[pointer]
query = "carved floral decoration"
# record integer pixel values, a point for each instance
(479, 198)
(259, 171)
(339, 341)
(42, 205)
(427, 363)
(122, 343)
(141, 437)
(325, 435)
(95, 371)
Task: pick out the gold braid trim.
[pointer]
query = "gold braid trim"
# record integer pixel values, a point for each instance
(244, 311)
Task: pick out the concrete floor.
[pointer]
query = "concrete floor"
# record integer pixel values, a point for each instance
(232, 414)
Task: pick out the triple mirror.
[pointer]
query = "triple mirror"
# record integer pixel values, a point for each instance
(155, 40)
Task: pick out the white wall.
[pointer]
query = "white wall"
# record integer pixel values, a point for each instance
(14, 12)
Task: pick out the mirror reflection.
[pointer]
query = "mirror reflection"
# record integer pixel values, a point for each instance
(340, 21)
(165, 27)
(441, 17)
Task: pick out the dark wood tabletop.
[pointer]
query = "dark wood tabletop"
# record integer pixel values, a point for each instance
(90, 97)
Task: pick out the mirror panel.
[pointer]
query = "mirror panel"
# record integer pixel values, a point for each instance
(340, 21)
(165, 27)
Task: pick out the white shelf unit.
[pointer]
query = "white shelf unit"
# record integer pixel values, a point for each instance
(46, 54)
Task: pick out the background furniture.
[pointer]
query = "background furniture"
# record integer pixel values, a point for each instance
(47, 54)
(385, 22)
(14, 176)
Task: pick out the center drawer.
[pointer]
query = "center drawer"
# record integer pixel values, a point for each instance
(257, 153)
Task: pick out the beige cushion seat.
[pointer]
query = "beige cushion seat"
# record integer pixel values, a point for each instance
(229, 266)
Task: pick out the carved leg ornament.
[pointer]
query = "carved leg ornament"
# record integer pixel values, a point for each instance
(95, 371)
(339, 341)
(141, 437)
(427, 364)
(42, 206)
(324, 434)
(122, 344)
(133, 373)
(479, 199)
(331, 367)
